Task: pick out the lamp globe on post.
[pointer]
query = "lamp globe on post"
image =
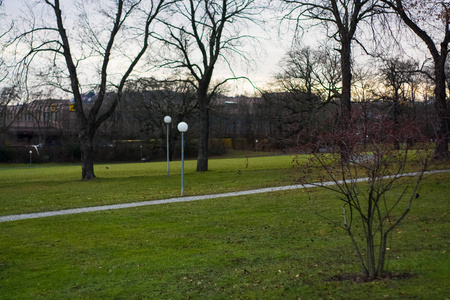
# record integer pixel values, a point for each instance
(167, 120)
(182, 127)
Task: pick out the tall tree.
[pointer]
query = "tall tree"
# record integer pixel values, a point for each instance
(435, 33)
(342, 19)
(113, 38)
(207, 33)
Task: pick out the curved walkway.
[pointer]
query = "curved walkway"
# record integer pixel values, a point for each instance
(180, 199)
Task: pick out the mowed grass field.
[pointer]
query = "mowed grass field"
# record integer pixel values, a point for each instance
(265, 246)
(51, 187)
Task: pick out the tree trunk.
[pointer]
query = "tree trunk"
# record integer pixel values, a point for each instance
(371, 265)
(346, 68)
(370, 248)
(345, 105)
(441, 151)
(86, 139)
(203, 139)
(382, 253)
(396, 116)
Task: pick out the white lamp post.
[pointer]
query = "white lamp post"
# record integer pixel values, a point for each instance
(182, 127)
(31, 152)
(167, 120)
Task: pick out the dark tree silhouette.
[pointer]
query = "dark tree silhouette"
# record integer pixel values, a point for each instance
(342, 19)
(417, 15)
(207, 33)
(100, 38)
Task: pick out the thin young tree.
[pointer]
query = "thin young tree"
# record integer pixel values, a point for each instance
(112, 37)
(207, 33)
(375, 188)
(430, 21)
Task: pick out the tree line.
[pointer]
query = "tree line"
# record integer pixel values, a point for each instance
(77, 47)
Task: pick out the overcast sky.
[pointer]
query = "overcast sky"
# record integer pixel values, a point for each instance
(266, 57)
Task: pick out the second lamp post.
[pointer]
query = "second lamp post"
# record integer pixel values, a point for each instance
(182, 127)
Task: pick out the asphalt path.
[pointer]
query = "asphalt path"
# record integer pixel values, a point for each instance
(182, 199)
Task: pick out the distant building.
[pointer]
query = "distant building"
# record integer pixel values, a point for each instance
(44, 122)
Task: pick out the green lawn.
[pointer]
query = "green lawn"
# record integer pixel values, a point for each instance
(266, 246)
(42, 188)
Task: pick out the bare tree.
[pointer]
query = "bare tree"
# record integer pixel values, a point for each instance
(396, 75)
(430, 21)
(341, 19)
(119, 33)
(299, 66)
(208, 33)
(311, 71)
